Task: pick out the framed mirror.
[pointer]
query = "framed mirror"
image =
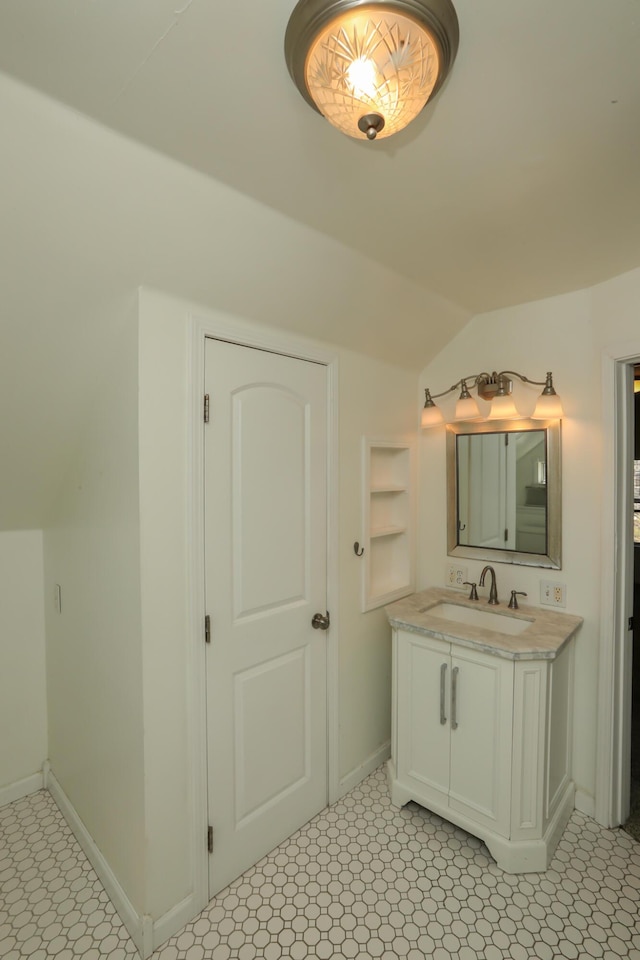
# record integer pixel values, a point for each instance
(504, 491)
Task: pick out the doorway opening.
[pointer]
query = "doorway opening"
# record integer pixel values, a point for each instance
(632, 825)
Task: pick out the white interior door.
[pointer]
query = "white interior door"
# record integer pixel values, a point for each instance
(265, 550)
(488, 491)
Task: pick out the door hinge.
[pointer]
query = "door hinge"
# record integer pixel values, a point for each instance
(206, 408)
(210, 839)
(630, 626)
(207, 629)
(506, 534)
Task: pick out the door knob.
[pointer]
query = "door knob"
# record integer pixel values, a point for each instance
(320, 622)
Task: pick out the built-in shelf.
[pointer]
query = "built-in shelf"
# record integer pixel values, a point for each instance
(386, 531)
(387, 497)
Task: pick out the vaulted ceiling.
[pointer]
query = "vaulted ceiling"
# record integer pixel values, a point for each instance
(521, 180)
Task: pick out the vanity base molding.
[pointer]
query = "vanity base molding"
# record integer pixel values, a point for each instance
(512, 856)
(482, 721)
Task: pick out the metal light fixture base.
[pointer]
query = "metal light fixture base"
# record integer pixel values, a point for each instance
(371, 125)
(489, 388)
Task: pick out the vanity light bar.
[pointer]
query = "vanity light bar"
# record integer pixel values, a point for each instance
(497, 388)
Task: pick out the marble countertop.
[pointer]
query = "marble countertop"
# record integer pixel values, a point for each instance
(547, 634)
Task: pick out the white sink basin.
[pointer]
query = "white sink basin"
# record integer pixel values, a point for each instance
(479, 617)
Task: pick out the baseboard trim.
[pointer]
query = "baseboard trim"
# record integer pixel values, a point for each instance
(174, 920)
(21, 788)
(139, 927)
(585, 803)
(373, 761)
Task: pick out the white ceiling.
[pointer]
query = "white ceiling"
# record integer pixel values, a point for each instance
(521, 179)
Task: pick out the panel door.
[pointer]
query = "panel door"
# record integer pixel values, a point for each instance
(481, 738)
(265, 546)
(424, 668)
(490, 492)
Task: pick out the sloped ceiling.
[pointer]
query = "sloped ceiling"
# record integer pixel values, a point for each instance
(521, 180)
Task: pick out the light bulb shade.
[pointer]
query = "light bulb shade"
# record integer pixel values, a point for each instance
(467, 409)
(548, 407)
(371, 67)
(502, 408)
(431, 416)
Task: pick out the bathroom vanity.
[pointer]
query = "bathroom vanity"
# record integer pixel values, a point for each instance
(481, 721)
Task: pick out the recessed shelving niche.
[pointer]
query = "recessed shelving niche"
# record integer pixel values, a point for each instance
(387, 497)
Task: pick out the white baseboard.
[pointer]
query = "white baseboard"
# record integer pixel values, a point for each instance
(585, 803)
(352, 779)
(21, 788)
(139, 927)
(146, 933)
(174, 920)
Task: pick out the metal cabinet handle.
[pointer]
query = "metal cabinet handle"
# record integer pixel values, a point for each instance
(443, 680)
(454, 698)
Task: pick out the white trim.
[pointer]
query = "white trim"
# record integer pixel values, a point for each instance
(173, 920)
(373, 761)
(138, 926)
(196, 674)
(21, 788)
(333, 581)
(585, 803)
(613, 743)
(246, 334)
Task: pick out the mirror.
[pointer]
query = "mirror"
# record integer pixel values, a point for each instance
(504, 491)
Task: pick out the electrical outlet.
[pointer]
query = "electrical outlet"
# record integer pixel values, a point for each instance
(455, 575)
(553, 594)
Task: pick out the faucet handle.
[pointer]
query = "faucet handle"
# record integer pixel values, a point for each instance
(473, 595)
(513, 603)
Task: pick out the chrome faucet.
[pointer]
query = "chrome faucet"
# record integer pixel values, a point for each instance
(493, 591)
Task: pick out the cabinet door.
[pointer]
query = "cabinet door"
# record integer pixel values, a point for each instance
(481, 738)
(424, 670)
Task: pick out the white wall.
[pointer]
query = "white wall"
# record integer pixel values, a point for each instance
(94, 658)
(23, 702)
(165, 496)
(88, 216)
(566, 335)
(375, 398)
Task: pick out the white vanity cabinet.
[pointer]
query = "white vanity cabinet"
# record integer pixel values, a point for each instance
(454, 710)
(481, 726)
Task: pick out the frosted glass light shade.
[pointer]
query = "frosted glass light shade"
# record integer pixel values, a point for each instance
(467, 409)
(431, 416)
(371, 62)
(548, 407)
(502, 408)
(370, 67)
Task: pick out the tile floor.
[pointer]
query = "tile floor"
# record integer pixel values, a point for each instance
(361, 880)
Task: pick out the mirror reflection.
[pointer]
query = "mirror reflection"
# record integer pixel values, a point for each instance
(504, 491)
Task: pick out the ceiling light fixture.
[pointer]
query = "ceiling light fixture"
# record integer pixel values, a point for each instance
(496, 388)
(370, 66)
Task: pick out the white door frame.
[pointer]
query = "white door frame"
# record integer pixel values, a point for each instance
(248, 335)
(614, 684)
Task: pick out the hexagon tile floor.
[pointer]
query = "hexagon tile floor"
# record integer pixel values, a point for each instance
(361, 880)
